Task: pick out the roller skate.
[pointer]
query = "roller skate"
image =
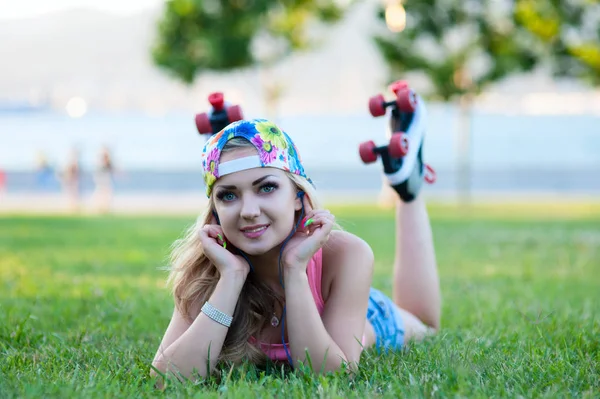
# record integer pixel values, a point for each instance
(219, 116)
(402, 158)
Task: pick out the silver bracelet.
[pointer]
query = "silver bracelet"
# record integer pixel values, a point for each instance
(216, 314)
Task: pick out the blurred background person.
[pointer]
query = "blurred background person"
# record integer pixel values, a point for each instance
(71, 180)
(103, 180)
(2, 183)
(45, 172)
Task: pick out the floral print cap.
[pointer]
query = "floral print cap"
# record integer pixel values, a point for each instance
(275, 149)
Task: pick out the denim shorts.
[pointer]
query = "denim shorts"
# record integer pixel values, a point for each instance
(384, 316)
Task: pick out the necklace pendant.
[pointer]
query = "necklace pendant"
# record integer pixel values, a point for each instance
(274, 321)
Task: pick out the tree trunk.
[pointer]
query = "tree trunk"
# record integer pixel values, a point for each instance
(271, 92)
(463, 150)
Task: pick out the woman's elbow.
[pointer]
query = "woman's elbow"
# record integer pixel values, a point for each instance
(156, 372)
(340, 363)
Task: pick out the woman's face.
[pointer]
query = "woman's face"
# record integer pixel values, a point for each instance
(256, 206)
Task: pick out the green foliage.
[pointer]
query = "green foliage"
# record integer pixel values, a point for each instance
(197, 35)
(569, 32)
(83, 307)
(461, 46)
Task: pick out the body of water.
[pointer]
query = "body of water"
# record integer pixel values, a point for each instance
(508, 153)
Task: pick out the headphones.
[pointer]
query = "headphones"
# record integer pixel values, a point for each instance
(216, 217)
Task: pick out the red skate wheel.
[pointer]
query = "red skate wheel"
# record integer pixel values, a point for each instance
(203, 123)
(407, 100)
(398, 85)
(376, 105)
(234, 113)
(367, 152)
(216, 100)
(398, 145)
(430, 176)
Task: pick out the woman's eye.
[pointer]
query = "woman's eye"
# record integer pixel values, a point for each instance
(228, 197)
(268, 188)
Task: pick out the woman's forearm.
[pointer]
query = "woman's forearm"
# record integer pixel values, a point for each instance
(305, 327)
(202, 342)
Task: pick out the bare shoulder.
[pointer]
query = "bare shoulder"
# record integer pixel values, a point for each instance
(341, 242)
(346, 257)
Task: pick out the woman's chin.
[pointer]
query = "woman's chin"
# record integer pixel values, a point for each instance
(254, 249)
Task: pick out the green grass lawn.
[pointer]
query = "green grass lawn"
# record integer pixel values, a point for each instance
(83, 308)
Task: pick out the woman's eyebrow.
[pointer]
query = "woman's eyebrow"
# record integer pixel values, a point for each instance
(257, 181)
(254, 183)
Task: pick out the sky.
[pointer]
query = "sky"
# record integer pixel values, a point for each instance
(11, 9)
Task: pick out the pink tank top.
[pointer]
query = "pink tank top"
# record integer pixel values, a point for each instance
(314, 271)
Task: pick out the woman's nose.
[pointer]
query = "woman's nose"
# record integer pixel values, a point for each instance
(250, 208)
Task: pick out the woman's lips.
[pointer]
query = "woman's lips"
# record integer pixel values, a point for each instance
(254, 231)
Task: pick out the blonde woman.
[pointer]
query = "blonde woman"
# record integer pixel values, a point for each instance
(264, 275)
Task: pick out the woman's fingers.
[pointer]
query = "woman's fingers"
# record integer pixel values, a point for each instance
(215, 233)
(317, 220)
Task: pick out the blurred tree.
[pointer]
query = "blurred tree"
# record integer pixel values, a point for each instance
(223, 35)
(461, 47)
(569, 32)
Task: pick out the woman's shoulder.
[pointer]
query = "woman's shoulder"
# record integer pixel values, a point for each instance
(340, 240)
(348, 259)
(348, 251)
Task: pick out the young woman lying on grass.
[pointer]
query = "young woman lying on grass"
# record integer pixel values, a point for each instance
(264, 275)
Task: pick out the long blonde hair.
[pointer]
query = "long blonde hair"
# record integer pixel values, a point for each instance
(193, 278)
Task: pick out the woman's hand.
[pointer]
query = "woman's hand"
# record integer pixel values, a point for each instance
(215, 247)
(313, 232)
